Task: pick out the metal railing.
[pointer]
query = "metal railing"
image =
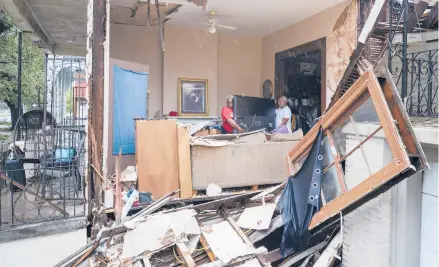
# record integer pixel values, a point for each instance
(46, 156)
(420, 98)
(415, 72)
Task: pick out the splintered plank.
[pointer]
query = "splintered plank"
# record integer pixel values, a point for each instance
(184, 251)
(207, 248)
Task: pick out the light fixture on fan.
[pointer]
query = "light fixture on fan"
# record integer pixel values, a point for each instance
(213, 23)
(212, 29)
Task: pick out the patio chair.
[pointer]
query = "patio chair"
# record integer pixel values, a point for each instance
(29, 134)
(66, 161)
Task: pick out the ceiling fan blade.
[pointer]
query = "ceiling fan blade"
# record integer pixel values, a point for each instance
(226, 27)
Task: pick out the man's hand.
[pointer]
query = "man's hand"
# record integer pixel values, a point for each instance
(240, 130)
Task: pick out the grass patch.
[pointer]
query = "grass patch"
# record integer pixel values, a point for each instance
(5, 123)
(4, 138)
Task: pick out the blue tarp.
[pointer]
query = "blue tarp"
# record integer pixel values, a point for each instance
(129, 102)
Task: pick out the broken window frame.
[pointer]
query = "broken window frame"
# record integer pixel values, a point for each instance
(367, 86)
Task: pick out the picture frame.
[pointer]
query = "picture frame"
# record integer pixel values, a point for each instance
(192, 97)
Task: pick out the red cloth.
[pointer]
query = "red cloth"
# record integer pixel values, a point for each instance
(227, 113)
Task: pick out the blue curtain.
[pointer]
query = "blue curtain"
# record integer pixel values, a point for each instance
(129, 102)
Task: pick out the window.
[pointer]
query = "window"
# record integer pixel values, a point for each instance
(362, 147)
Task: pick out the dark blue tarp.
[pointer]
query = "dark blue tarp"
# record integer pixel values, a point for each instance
(300, 200)
(129, 102)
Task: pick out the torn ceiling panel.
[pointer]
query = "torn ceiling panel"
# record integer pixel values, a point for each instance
(137, 14)
(364, 149)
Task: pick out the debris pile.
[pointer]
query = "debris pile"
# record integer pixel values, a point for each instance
(226, 230)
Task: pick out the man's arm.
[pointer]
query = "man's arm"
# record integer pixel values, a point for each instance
(284, 122)
(235, 125)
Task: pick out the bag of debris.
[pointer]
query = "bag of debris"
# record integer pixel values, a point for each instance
(300, 200)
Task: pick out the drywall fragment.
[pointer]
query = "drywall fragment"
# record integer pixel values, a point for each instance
(224, 242)
(257, 218)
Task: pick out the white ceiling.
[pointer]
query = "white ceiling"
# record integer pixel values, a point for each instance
(250, 17)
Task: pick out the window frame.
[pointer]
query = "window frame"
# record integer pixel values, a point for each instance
(367, 86)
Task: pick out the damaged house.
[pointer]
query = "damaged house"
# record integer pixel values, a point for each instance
(353, 183)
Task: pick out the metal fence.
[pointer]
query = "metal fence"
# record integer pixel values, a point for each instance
(47, 153)
(420, 98)
(414, 69)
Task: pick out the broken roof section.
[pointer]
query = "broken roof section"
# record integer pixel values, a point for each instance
(368, 144)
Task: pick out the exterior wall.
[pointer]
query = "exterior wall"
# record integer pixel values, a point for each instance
(397, 228)
(339, 44)
(42, 251)
(141, 45)
(367, 233)
(429, 218)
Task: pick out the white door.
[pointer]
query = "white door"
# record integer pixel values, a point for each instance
(429, 219)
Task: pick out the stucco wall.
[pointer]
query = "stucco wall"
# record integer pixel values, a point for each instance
(313, 28)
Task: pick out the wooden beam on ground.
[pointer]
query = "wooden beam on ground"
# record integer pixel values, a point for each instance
(416, 14)
(186, 254)
(118, 200)
(239, 231)
(207, 248)
(301, 255)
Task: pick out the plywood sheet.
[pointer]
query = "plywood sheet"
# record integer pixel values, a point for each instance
(157, 157)
(184, 163)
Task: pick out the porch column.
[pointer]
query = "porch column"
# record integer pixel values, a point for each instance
(96, 59)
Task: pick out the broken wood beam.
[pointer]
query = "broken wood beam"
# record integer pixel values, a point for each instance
(118, 200)
(224, 202)
(149, 12)
(160, 22)
(301, 255)
(207, 248)
(186, 254)
(239, 231)
(146, 211)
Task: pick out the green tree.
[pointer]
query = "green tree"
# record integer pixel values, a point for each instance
(32, 74)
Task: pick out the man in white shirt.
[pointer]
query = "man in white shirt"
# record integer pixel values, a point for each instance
(283, 116)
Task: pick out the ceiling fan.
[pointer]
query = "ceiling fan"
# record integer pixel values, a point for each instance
(213, 23)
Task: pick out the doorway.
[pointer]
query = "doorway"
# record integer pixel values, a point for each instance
(300, 76)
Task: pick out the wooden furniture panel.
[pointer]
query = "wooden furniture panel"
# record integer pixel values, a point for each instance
(157, 157)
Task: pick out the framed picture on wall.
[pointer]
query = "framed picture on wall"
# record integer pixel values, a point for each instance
(192, 97)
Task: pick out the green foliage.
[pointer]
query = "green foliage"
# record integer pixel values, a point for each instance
(32, 66)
